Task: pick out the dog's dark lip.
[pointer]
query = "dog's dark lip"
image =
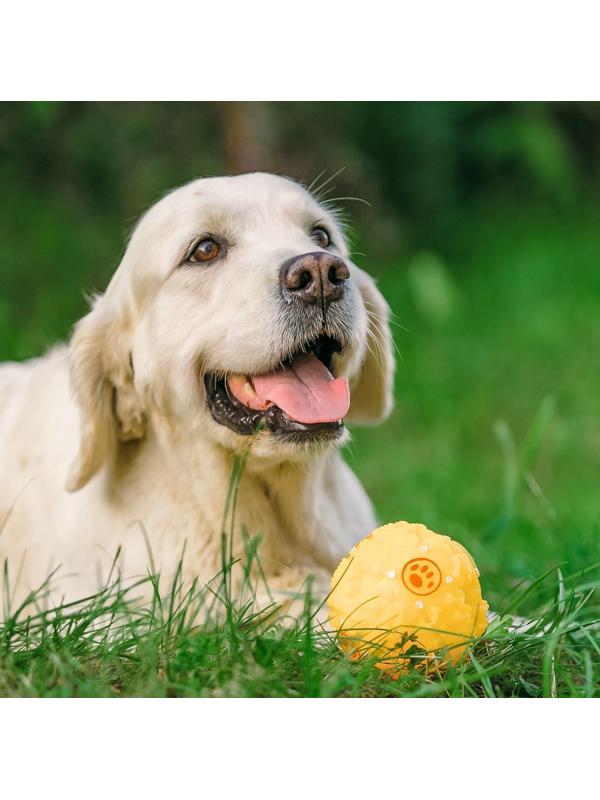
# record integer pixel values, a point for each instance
(228, 411)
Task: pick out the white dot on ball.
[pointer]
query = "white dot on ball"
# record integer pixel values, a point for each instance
(419, 604)
(424, 548)
(449, 578)
(392, 573)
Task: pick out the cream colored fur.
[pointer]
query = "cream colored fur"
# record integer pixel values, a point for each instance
(109, 443)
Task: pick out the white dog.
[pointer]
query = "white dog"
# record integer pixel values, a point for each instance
(235, 318)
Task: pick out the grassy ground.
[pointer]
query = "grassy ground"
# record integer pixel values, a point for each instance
(495, 441)
(108, 645)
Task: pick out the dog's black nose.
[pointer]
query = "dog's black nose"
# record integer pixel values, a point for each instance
(314, 277)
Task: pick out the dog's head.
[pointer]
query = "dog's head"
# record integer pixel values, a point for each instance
(235, 312)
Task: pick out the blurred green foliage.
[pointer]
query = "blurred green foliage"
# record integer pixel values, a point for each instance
(482, 230)
(75, 176)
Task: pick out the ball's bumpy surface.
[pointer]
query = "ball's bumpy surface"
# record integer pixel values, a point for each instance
(404, 591)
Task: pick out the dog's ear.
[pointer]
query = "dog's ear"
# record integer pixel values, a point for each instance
(371, 391)
(103, 386)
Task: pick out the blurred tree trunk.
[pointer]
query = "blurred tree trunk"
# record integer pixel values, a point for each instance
(247, 135)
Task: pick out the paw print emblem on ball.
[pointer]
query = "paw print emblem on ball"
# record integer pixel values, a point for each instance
(421, 576)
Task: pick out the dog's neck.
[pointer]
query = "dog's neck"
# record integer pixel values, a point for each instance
(282, 502)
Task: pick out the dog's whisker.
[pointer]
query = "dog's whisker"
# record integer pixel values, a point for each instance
(309, 188)
(341, 199)
(318, 191)
(374, 348)
(383, 318)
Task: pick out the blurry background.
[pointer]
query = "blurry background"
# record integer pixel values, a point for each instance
(482, 230)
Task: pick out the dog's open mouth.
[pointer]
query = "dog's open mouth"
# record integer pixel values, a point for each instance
(301, 399)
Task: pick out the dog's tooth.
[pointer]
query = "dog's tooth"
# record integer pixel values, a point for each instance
(249, 390)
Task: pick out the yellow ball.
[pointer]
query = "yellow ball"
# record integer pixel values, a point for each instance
(404, 588)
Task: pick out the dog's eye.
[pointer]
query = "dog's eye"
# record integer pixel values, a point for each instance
(206, 250)
(321, 237)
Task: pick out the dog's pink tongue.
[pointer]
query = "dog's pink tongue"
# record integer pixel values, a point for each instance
(306, 391)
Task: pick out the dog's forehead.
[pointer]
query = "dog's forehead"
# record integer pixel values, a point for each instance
(241, 199)
(255, 187)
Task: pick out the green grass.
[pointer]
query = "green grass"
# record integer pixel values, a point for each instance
(202, 641)
(494, 440)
